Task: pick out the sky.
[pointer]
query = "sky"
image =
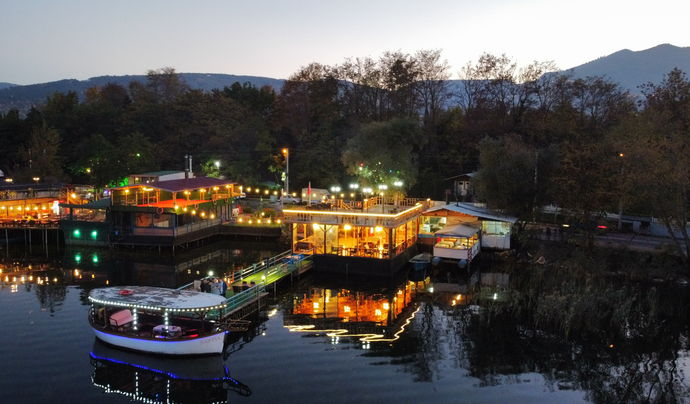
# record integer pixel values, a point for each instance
(44, 41)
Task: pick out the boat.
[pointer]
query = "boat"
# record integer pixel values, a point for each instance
(159, 320)
(421, 261)
(156, 379)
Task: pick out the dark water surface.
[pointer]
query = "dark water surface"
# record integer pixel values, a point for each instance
(441, 356)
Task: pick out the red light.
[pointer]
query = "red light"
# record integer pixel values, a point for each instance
(601, 227)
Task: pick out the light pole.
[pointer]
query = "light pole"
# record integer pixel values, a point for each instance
(397, 184)
(354, 188)
(382, 189)
(367, 191)
(286, 152)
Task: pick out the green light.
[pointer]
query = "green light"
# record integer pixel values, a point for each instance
(94, 234)
(95, 258)
(77, 258)
(76, 233)
(138, 155)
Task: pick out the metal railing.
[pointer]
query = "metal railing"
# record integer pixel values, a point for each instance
(192, 227)
(271, 270)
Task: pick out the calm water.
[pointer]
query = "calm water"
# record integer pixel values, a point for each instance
(444, 355)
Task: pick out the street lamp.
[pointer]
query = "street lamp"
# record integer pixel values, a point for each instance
(286, 153)
(382, 188)
(398, 184)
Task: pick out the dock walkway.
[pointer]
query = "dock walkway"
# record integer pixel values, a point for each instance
(247, 287)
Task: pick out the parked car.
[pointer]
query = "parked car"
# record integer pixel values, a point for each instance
(289, 199)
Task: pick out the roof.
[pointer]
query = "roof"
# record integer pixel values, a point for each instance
(185, 184)
(156, 298)
(99, 204)
(157, 173)
(471, 210)
(461, 230)
(468, 175)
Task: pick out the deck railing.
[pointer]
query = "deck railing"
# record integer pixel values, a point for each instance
(192, 227)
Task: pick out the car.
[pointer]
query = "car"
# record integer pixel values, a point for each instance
(289, 199)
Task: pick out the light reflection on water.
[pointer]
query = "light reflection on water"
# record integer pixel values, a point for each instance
(426, 349)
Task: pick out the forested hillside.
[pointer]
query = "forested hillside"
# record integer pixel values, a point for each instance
(531, 138)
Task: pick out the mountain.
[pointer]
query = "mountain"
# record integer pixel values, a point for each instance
(23, 97)
(632, 69)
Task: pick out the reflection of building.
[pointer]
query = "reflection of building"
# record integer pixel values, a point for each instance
(458, 230)
(348, 312)
(370, 237)
(163, 380)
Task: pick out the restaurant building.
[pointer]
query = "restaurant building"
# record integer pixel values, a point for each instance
(369, 237)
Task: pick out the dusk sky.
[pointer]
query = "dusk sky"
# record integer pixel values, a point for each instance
(44, 41)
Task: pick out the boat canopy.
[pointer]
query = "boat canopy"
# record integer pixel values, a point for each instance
(152, 298)
(459, 230)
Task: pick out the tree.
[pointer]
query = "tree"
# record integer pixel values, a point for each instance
(41, 158)
(514, 177)
(382, 153)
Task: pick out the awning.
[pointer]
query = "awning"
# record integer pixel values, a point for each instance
(458, 230)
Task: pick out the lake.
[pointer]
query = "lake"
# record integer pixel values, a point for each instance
(423, 347)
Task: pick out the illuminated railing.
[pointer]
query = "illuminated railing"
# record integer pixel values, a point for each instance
(353, 218)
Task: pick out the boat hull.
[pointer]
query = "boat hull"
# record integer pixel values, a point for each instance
(421, 261)
(208, 345)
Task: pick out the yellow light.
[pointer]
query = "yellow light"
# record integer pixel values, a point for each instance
(76, 272)
(74, 196)
(352, 195)
(379, 228)
(203, 214)
(275, 192)
(266, 192)
(240, 220)
(385, 306)
(346, 309)
(316, 305)
(294, 194)
(213, 216)
(315, 226)
(347, 227)
(378, 312)
(278, 221)
(126, 191)
(194, 212)
(258, 220)
(250, 222)
(202, 190)
(268, 221)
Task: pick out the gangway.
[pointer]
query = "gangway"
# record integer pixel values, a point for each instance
(248, 285)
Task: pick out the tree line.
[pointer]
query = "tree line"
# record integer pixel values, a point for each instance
(532, 135)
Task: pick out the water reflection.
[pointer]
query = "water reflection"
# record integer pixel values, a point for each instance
(200, 380)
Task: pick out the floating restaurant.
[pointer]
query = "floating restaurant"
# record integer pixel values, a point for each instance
(370, 237)
(159, 213)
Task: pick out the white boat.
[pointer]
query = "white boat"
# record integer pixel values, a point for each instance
(159, 320)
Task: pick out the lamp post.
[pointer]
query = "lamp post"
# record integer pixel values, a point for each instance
(286, 152)
(382, 189)
(367, 191)
(335, 190)
(397, 184)
(354, 188)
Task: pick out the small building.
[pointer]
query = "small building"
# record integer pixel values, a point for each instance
(370, 237)
(461, 186)
(460, 230)
(156, 176)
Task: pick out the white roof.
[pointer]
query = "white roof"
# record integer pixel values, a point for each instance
(156, 298)
(458, 230)
(469, 209)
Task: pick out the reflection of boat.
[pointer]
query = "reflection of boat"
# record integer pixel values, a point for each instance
(421, 261)
(159, 320)
(163, 380)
